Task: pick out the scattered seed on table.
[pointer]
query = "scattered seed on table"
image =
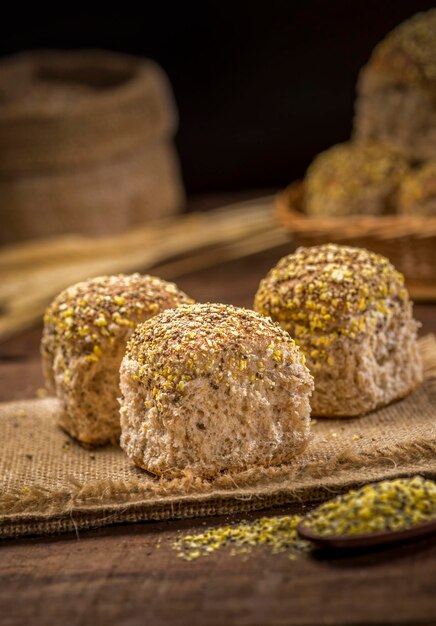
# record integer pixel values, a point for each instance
(278, 534)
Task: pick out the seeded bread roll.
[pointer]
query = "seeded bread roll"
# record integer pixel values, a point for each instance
(352, 179)
(85, 334)
(351, 315)
(417, 193)
(396, 101)
(211, 387)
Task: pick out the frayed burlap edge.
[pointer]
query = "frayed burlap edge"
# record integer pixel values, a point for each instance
(100, 503)
(258, 480)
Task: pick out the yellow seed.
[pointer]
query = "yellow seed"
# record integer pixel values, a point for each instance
(387, 505)
(91, 358)
(278, 534)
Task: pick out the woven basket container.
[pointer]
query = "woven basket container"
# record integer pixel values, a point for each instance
(85, 144)
(409, 242)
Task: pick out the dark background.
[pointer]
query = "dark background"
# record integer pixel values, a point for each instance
(261, 86)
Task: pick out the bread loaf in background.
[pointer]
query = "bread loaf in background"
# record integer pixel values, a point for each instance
(353, 179)
(396, 91)
(350, 314)
(417, 192)
(85, 144)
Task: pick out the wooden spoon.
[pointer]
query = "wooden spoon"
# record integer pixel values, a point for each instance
(367, 539)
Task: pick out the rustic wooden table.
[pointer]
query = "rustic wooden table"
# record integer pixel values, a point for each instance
(130, 575)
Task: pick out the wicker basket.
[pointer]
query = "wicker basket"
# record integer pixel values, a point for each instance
(409, 242)
(85, 144)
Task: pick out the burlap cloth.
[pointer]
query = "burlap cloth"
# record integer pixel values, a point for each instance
(50, 484)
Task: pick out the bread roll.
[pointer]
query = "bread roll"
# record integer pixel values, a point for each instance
(211, 387)
(417, 192)
(351, 315)
(85, 333)
(353, 179)
(396, 101)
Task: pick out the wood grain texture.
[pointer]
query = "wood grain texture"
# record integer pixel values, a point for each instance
(119, 575)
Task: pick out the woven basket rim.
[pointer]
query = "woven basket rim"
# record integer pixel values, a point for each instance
(289, 212)
(137, 74)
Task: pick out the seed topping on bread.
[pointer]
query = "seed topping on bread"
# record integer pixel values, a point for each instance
(186, 343)
(417, 193)
(323, 293)
(346, 171)
(89, 315)
(409, 51)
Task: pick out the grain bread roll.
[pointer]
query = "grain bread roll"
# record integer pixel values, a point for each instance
(352, 178)
(84, 338)
(417, 192)
(211, 387)
(351, 315)
(396, 91)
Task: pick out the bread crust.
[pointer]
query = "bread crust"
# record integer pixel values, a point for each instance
(417, 193)
(396, 101)
(209, 388)
(86, 329)
(380, 405)
(350, 313)
(354, 178)
(407, 55)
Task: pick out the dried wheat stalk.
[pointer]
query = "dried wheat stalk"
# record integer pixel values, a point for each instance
(32, 274)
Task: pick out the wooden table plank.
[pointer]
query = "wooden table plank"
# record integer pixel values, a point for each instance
(119, 575)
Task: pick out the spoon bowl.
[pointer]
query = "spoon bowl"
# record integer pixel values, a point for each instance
(367, 539)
